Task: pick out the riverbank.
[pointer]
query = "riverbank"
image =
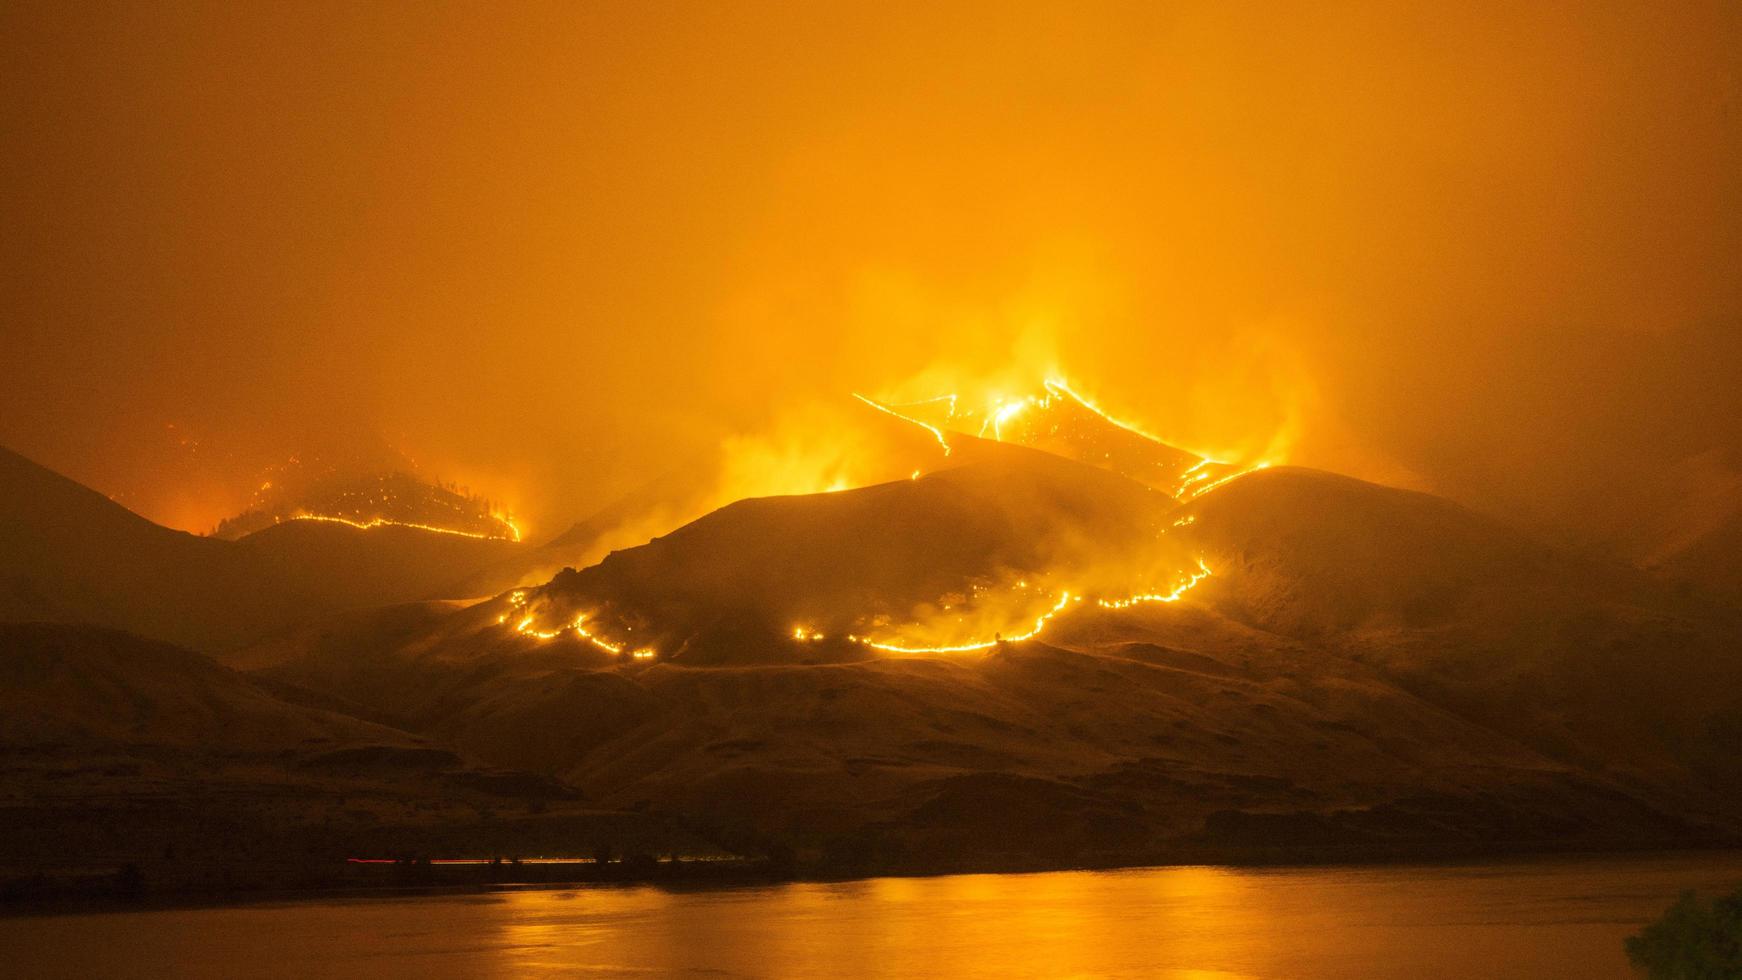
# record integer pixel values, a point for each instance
(1545, 917)
(127, 888)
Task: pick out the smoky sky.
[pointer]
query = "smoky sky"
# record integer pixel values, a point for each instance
(548, 250)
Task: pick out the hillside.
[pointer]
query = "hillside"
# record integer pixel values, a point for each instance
(1367, 669)
(70, 686)
(951, 541)
(345, 567)
(120, 752)
(1596, 660)
(71, 555)
(1364, 671)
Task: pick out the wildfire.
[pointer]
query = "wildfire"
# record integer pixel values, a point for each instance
(936, 432)
(1193, 492)
(1030, 420)
(1178, 593)
(512, 534)
(1058, 386)
(525, 627)
(1065, 601)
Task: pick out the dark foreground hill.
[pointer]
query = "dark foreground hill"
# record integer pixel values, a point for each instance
(128, 764)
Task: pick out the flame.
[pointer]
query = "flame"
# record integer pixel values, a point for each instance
(936, 432)
(807, 634)
(1001, 411)
(1194, 492)
(1059, 386)
(524, 627)
(512, 535)
(1189, 474)
(1065, 600)
(1178, 593)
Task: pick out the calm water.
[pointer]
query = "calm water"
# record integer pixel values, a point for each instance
(1563, 918)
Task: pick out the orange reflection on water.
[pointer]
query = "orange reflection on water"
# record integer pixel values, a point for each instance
(1551, 918)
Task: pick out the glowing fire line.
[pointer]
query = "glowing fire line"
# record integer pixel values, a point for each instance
(1058, 386)
(579, 627)
(1202, 573)
(936, 432)
(1194, 491)
(1065, 599)
(805, 634)
(512, 535)
(1193, 481)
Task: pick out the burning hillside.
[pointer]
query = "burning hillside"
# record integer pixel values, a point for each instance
(1059, 420)
(1019, 511)
(392, 499)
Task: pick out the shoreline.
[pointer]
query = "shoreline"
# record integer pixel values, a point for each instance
(422, 880)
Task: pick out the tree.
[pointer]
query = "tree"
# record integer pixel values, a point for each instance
(1694, 940)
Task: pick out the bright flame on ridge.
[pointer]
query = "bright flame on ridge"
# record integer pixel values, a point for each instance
(936, 432)
(374, 522)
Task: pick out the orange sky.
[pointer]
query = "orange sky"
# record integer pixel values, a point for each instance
(547, 249)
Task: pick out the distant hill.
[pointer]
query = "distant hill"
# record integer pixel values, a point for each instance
(1593, 659)
(69, 554)
(1059, 421)
(345, 567)
(1711, 563)
(394, 497)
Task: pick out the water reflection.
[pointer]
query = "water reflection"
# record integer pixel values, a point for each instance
(1539, 919)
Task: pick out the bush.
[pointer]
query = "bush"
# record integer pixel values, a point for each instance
(1694, 940)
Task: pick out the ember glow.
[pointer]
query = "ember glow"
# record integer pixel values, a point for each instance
(1065, 601)
(1178, 593)
(510, 532)
(526, 625)
(936, 432)
(1057, 416)
(1044, 420)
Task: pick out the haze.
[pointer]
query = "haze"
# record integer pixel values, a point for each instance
(1489, 252)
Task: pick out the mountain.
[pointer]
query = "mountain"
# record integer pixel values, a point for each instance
(339, 566)
(68, 554)
(1365, 671)
(844, 562)
(394, 497)
(75, 686)
(1593, 659)
(1711, 563)
(1059, 421)
(1012, 660)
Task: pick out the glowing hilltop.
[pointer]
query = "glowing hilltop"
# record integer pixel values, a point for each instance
(980, 612)
(1062, 421)
(391, 499)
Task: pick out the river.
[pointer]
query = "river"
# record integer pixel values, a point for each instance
(1564, 917)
